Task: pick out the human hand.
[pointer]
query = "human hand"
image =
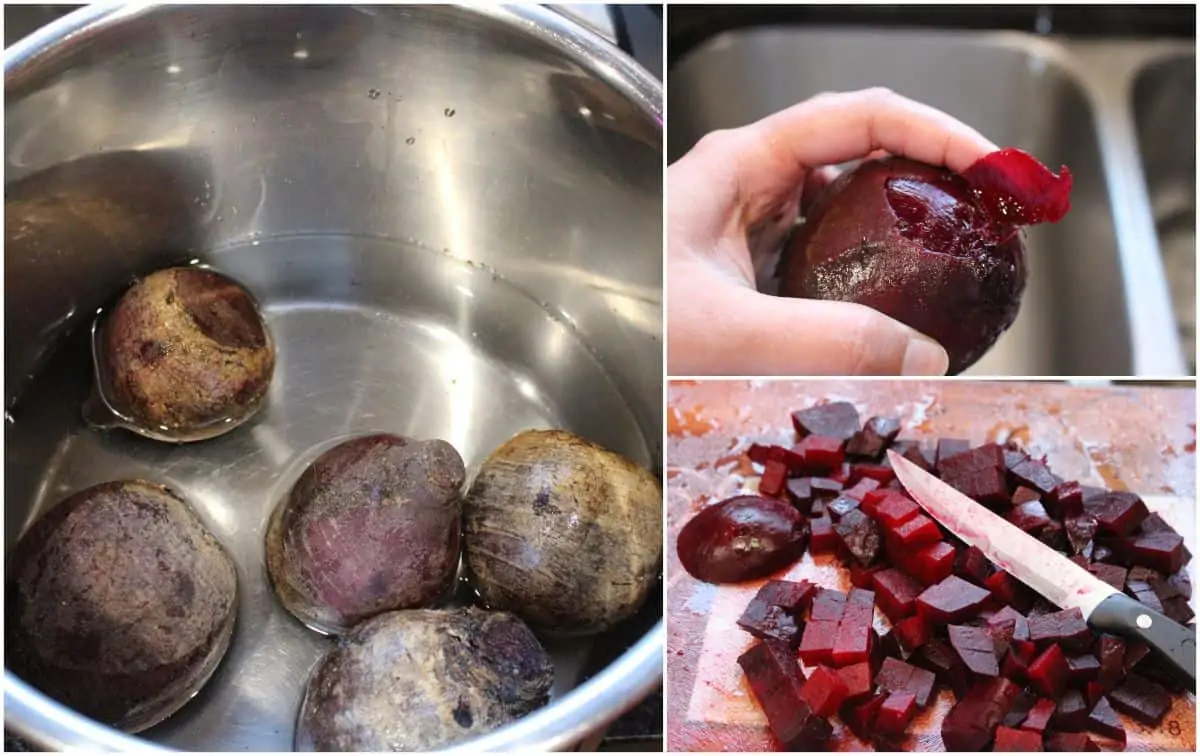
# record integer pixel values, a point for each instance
(734, 197)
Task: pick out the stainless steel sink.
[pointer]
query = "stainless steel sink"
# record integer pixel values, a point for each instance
(1098, 301)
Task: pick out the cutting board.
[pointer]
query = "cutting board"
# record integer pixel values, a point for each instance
(1123, 437)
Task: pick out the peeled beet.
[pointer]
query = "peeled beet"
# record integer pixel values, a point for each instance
(951, 600)
(740, 539)
(972, 723)
(932, 249)
(777, 683)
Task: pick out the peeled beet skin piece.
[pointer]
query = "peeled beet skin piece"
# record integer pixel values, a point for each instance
(824, 691)
(776, 681)
(976, 648)
(742, 538)
(859, 535)
(951, 600)
(1117, 512)
(1014, 187)
(894, 715)
(896, 593)
(1144, 700)
(1067, 628)
(972, 723)
(876, 435)
(835, 419)
(1009, 740)
(896, 676)
(918, 243)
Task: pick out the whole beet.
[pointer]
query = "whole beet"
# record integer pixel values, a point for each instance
(371, 525)
(913, 242)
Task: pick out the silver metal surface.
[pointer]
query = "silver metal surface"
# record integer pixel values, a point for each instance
(451, 217)
(1098, 300)
(1058, 579)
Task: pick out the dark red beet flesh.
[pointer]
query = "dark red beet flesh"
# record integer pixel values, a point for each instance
(1117, 512)
(875, 436)
(1039, 716)
(1144, 700)
(823, 538)
(896, 593)
(770, 622)
(895, 714)
(951, 600)
(853, 641)
(976, 648)
(857, 679)
(1067, 628)
(824, 691)
(1104, 721)
(917, 532)
(834, 419)
(1069, 742)
(972, 723)
(1048, 672)
(777, 684)
(927, 565)
(937, 657)
(896, 676)
(859, 536)
(742, 538)
(1009, 740)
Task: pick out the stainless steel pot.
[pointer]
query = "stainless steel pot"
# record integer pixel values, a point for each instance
(452, 217)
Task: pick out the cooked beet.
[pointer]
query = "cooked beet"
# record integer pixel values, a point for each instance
(1117, 512)
(824, 488)
(1039, 716)
(1020, 709)
(777, 683)
(835, 419)
(1069, 742)
(896, 676)
(857, 679)
(770, 622)
(853, 641)
(1111, 651)
(841, 473)
(1144, 700)
(972, 723)
(976, 648)
(824, 691)
(1067, 628)
(1135, 653)
(928, 564)
(1104, 721)
(1009, 740)
(742, 538)
(860, 718)
(859, 536)
(1139, 584)
(1070, 714)
(1163, 551)
(1082, 667)
(911, 633)
(1054, 535)
(773, 479)
(822, 454)
(1178, 609)
(875, 436)
(911, 450)
(939, 658)
(951, 600)
(816, 643)
(864, 576)
(841, 506)
(824, 538)
(882, 474)
(1065, 500)
(1016, 664)
(1182, 583)
(978, 473)
(972, 564)
(948, 447)
(1030, 516)
(895, 510)
(894, 715)
(1048, 672)
(896, 593)
(917, 532)
(1035, 475)
(828, 605)
(1009, 591)
(860, 489)
(1024, 495)
(1113, 574)
(1020, 623)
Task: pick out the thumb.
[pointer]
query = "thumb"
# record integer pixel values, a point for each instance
(734, 330)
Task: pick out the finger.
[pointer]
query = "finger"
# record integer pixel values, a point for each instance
(815, 182)
(727, 330)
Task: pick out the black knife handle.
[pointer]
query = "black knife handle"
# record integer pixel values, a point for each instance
(1121, 615)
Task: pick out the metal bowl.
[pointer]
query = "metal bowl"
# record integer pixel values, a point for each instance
(451, 217)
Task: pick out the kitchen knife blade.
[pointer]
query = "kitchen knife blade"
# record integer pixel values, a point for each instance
(1058, 579)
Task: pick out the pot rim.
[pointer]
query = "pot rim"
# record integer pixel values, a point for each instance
(565, 721)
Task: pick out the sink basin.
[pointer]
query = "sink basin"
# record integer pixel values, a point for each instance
(1164, 104)
(1019, 90)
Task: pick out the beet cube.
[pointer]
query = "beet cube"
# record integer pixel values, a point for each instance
(776, 681)
(937, 657)
(895, 714)
(895, 509)
(875, 436)
(872, 499)
(896, 676)
(1013, 457)
(1048, 673)
(828, 605)
(1016, 664)
(1182, 583)
(769, 622)
(799, 493)
(859, 535)
(1104, 721)
(864, 576)
(1066, 500)
(881, 474)
(971, 724)
(978, 473)
(1082, 668)
(1081, 530)
(841, 474)
(1143, 591)
(816, 643)
(1117, 512)
(822, 538)
(824, 691)
(1178, 609)
(1038, 718)
(1024, 495)
(911, 633)
(911, 450)
(821, 454)
(1135, 653)
(1067, 628)
(1070, 715)
(976, 648)
(794, 597)
(971, 564)
(1009, 614)
(949, 447)
(1069, 742)
(1009, 591)
(951, 600)
(1112, 574)
(1030, 516)
(1035, 475)
(1020, 709)
(1144, 700)
(853, 641)
(857, 679)
(861, 488)
(835, 419)
(1009, 740)
(763, 453)
(824, 488)
(839, 507)
(919, 531)
(1111, 651)
(896, 593)
(929, 564)
(860, 718)
(773, 478)
(1162, 551)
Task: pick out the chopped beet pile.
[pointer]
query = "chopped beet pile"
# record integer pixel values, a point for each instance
(1025, 676)
(938, 251)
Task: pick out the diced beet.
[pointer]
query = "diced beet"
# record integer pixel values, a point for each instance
(859, 535)
(949, 447)
(1030, 516)
(1054, 535)
(1162, 551)
(1048, 672)
(1002, 635)
(971, 724)
(841, 474)
(1020, 624)
(895, 509)
(1093, 691)
(1154, 523)
(1009, 591)
(1156, 669)
(1066, 500)
(825, 691)
(1013, 457)
(742, 538)
(840, 506)
(1081, 530)
(1069, 742)
(1138, 584)
(1104, 721)
(860, 718)
(911, 450)
(1082, 667)
(1038, 718)
(1144, 700)
(916, 532)
(817, 509)
(1182, 582)
(1111, 651)
(816, 644)
(857, 679)
(1024, 495)
(875, 436)
(1113, 574)
(1135, 653)
(896, 593)
(1070, 715)
(976, 648)
(896, 676)
(824, 488)
(978, 473)
(881, 474)
(1020, 709)
(1117, 512)
(823, 539)
(1178, 609)
(937, 657)
(972, 564)
(951, 600)
(1035, 475)
(836, 419)
(864, 576)
(763, 453)
(872, 499)
(929, 564)
(773, 479)
(1009, 740)
(769, 622)
(799, 493)
(821, 453)
(776, 681)
(853, 642)
(911, 633)
(828, 605)
(861, 488)
(793, 597)
(1016, 664)
(1066, 628)
(895, 714)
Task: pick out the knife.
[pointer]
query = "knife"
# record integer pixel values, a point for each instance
(1061, 581)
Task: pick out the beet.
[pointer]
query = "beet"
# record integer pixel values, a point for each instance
(939, 658)
(1054, 535)
(761, 454)
(940, 261)
(1080, 532)
(776, 681)
(879, 473)
(948, 447)
(1144, 700)
(1065, 500)
(824, 691)
(859, 535)
(895, 510)
(793, 597)
(1039, 716)
(834, 419)
(1111, 651)
(1112, 574)
(928, 565)
(1024, 495)
(896, 676)
(911, 633)
(1020, 709)
(1069, 742)
(1014, 187)
(1009, 740)
(1035, 475)
(773, 479)
(1048, 672)
(894, 715)
(1070, 715)
(1163, 551)
(840, 506)
(1104, 721)
(1067, 628)
(822, 454)
(917, 532)
(864, 576)
(799, 493)
(951, 600)
(841, 474)
(853, 641)
(824, 488)
(742, 538)
(769, 622)
(911, 450)
(857, 679)
(1135, 653)
(860, 718)
(816, 644)
(978, 473)
(976, 648)
(823, 539)
(972, 564)
(1020, 624)
(1178, 609)
(1009, 591)
(828, 605)
(1182, 583)
(972, 723)
(1030, 516)
(896, 593)
(875, 436)
(1081, 668)
(1117, 512)
(860, 488)
(1016, 664)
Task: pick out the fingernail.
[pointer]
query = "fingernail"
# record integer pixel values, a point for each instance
(924, 357)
